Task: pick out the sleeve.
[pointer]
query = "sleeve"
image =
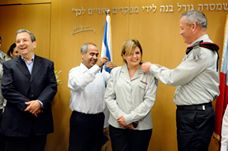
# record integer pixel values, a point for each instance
(110, 95)
(106, 75)
(1, 71)
(184, 72)
(148, 101)
(48, 93)
(8, 89)
(78, 80)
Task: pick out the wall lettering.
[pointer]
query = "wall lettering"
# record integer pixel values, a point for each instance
(152, 8)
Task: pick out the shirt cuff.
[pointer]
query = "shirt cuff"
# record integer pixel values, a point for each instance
(94, 69)
(128, 119)
(41, 103)
(154, 69)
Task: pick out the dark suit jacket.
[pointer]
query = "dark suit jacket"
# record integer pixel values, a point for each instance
(18, 87)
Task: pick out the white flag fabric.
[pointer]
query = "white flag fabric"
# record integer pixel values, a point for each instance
(106, 49)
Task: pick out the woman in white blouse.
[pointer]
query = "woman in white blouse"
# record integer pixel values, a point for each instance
(130, 95)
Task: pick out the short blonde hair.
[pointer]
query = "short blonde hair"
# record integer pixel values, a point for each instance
(129, 47)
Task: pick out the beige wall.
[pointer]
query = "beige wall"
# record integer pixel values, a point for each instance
(158, 33)
(35, 17)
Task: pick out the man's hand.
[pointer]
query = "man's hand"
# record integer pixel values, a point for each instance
(33, 107)
(129, 126)
(146, 67)
(101, 61)
(121, 121)
(110, 65)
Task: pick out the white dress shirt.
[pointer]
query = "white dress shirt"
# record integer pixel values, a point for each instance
(196, 77)
(87, 87)
(131, 98)
(29, 64)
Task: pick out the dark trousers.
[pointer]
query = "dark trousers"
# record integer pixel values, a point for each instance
(195, 125)
(2, 143)
(86, 131)
(129, 140)
(32, 143)
(1, 135)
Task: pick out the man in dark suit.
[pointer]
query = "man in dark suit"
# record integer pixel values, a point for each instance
(29, 86)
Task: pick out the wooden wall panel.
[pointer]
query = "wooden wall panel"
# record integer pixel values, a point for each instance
(9, 2)
(158, 33)
(32, 17)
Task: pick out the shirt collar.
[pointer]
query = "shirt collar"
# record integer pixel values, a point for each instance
(203, 38)
(28, 61)
(83, 67)
(138, 72)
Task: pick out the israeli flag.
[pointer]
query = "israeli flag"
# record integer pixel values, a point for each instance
(106, 49)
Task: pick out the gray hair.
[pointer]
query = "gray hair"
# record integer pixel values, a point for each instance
(84, 47)
(32, 36)
(195, 16)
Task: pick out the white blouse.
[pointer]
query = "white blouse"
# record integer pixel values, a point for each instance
(131, 98)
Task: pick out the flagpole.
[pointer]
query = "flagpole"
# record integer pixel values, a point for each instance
(107, 12)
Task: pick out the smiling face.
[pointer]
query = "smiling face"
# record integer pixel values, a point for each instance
(186, 30)
(89, 58)
(132, 53)
(25, 45)
(134, 58)
(193, 24)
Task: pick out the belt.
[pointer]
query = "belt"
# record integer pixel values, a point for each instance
(87, 114)
(200, 107)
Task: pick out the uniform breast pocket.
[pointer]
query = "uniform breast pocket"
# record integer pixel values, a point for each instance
(142, 85)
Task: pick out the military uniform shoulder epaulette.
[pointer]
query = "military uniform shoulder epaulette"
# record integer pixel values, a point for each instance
(208, 45)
